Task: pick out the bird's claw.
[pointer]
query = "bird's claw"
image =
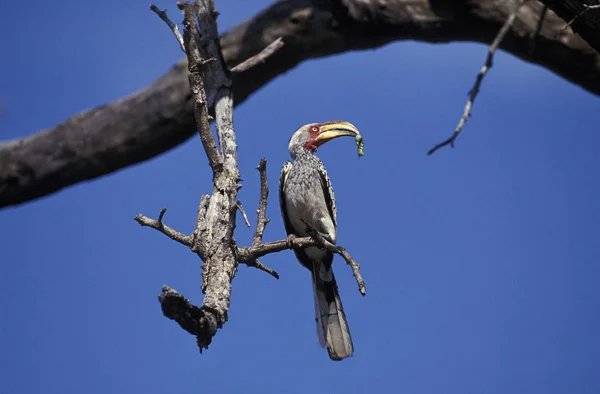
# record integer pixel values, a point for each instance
(289, 240)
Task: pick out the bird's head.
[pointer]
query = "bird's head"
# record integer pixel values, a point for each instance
(310, 136)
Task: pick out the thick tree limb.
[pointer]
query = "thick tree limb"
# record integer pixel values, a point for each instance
(212, 239)
(189, 317)
(215, 239)
(196, 69)
(160, 117)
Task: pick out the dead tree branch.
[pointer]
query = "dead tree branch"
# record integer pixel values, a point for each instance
(199, 321)
(189, 241)
(254, 252)
(239, 206)
(260, 58)
(475, 89)
(261, 212)
(323, 243)
(196, 68)
(212, 239)
(192, 319)
(257, 264)
(174, 28)
(158, 225)
(154, 120)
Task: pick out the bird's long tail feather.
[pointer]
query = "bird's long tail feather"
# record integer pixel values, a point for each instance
(332, 326)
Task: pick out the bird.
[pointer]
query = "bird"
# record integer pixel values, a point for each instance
(306, 198)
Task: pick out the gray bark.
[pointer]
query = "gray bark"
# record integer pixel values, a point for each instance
(160, 117)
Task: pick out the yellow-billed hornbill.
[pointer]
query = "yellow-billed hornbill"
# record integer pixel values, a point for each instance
(306, 198)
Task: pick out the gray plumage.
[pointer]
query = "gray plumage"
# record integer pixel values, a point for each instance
(306, 197)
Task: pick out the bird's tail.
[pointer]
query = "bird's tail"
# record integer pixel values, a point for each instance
(332, 327)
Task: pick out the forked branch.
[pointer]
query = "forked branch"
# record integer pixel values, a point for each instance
(212, 239)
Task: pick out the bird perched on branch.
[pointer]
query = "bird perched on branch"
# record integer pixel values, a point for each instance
(307, 202)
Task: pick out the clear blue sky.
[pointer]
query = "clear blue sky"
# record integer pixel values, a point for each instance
(482, 262)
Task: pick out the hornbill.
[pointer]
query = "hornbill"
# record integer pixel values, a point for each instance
(306, 199)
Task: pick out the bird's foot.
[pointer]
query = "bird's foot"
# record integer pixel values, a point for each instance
(289, 240)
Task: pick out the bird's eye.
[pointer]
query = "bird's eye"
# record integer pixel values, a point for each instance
(314, 129)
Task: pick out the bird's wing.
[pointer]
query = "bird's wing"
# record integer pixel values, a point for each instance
(328, 193)
(282, 179)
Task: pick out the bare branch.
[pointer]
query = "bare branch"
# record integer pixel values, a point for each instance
(355, 267)
(257, 264)
(163, 228)
(322, 242)
(239, 206)
(475, 89)
(261, 212)
(248, 253)
(261, 57)
(254, 252)
(212, 238)
(174, 28)
(161, 215)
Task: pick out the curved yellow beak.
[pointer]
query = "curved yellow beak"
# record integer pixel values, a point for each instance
(334, 129)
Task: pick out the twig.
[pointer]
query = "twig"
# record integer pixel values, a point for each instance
(475, 89)
(161, 215)
(163, 228)
(538, 29)
(261, 212)
(261, 57)
(174, 28)
(355, 268)
(249, 256)
(257, 264)
(239, 206)
(321, 241)
(586, 8)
